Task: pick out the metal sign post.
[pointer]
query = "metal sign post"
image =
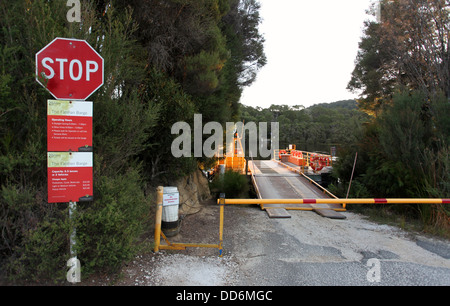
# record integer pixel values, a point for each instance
(74, 273)
(72, 209)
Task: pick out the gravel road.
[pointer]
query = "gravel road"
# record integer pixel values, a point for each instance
(306, 249)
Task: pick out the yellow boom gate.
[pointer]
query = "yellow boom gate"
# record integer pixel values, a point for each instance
(223, 201)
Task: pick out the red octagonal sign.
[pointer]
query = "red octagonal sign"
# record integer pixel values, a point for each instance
(70, 69)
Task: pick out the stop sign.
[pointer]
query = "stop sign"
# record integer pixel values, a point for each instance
(70, 69)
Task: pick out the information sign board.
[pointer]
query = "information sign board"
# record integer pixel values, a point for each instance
(69, 176)
(69, 126)
(171, 196)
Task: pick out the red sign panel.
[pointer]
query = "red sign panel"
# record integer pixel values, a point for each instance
(70, 69)
(69, 126)
(69, 177)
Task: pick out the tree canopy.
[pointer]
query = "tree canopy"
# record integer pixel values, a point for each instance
(314, 128)
(402, 75)
(408, 47)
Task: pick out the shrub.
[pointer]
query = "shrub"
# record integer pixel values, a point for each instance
(34, 235)
(232, 183)
(108, 229)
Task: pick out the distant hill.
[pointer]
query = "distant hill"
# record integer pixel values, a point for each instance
(347, 104)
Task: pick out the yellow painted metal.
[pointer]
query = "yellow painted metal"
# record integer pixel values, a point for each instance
(159, 203)
(235, 160)
(222, 207)
(332, 201)
(181, 246)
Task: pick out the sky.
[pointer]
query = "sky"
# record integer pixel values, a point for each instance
(311, 47)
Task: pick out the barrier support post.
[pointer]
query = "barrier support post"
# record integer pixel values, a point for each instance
(222, 206)
(159, 207)
(181, 246)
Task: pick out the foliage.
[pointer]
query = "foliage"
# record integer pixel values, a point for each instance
(173, 105)
(246, 43)
(198, 53)
(408, 47)
(402, 75)
(28, 224)
(401, 154)
(233, 184)
(34, 235)
(317, 126)
(108, 230)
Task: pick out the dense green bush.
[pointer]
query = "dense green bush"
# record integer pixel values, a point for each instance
(403, 153)
(34, 235)
(108, 230)
(233, 184)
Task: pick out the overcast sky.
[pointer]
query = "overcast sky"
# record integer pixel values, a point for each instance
(311, 47)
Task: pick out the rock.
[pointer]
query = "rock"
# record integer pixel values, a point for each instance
(193, 190)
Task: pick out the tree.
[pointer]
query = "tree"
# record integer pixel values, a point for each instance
(402, 74)
(322, 124)
(202, 46)
(246, 43)
(417, 35)
(409, 47)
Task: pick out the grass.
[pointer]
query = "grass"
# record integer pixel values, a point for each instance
(390, 215)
